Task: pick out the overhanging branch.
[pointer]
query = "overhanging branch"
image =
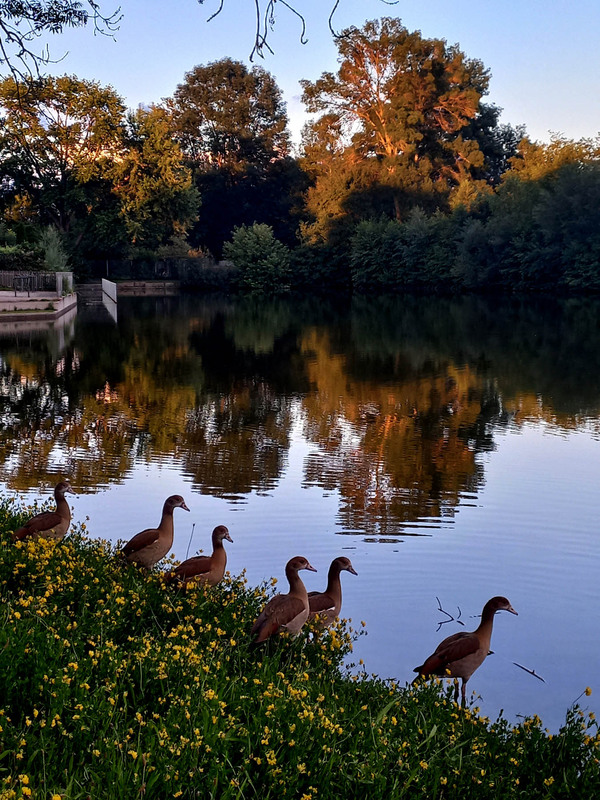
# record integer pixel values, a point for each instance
(265, 21)
(23, 22)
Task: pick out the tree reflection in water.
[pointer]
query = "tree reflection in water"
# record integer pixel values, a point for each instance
(396, 396)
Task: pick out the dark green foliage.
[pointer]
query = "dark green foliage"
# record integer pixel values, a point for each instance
(531, 235)
(232, 126)
(263, 261)
(389, 256)
(537, 235)
(321, 268)
(21, 258)
(269, 194)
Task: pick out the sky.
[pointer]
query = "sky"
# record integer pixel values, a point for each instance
(542, 56)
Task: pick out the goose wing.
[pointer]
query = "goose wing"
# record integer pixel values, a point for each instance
(191, 567)
(140, 541)
(452, 649)
(41, 522)
(320, 601)
(283, 608)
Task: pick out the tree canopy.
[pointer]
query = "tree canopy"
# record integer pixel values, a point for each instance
(404, 103)
(152, 182)
(56, 136)
(231, 122)
(227, 115)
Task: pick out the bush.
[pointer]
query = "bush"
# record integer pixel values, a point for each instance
(55, 258)
(7, 237)
(19, 257)
(320, 268)
(263, 261)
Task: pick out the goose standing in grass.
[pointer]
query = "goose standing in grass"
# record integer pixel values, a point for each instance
(462, 653)
(149, 546)
(204, 569)
(49, 524)
(288, 611)
(328, 604)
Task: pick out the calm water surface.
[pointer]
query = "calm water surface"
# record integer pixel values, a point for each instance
(450, 448)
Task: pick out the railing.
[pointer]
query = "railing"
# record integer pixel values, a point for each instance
(57, 283)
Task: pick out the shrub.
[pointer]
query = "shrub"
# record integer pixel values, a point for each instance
(263, 261)
(55, 258)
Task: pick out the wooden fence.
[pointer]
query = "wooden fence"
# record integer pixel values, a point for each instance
(58, 283)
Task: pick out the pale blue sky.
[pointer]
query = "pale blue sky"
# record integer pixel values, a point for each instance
(543, 56)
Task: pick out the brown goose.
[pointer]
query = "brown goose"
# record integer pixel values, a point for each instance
(328, 604)
(205, 569)
(289, 611)
(462, 653)
(49, 524)
(149, 546)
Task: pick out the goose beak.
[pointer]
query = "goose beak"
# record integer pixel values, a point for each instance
(183, 505)
(512, 611)
(228, 537)
(309, 567)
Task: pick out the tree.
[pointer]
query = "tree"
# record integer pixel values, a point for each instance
(263, 261)
(152, 182)
(404, 103)
(57, 139)
(24, 21)
(231, 123)
(498, 143)
(228, 115)
(534, 160)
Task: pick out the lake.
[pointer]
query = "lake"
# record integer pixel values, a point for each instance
(449, 447)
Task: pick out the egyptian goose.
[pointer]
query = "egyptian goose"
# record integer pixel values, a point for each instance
(328, 604)
(205, 569)
(462, 653)
(149, 546)
(49, 524)
(289, 611)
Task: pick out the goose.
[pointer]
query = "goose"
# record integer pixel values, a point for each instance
(462, 653)
(288, 611)
(205, 569)
(328, 604)
(49, 524)
(149, 546)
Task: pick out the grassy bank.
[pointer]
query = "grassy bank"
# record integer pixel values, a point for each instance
(115, 686)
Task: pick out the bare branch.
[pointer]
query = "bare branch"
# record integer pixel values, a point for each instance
(450, 617)
(530, 671)
(265, 21)
(217, 12)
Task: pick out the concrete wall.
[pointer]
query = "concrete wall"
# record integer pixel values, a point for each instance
(109, 288)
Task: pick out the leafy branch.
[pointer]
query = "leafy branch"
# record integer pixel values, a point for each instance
(22, 22)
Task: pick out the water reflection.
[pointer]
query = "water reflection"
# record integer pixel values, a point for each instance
(397, 398)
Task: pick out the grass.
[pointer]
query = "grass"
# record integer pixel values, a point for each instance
(116, 686)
